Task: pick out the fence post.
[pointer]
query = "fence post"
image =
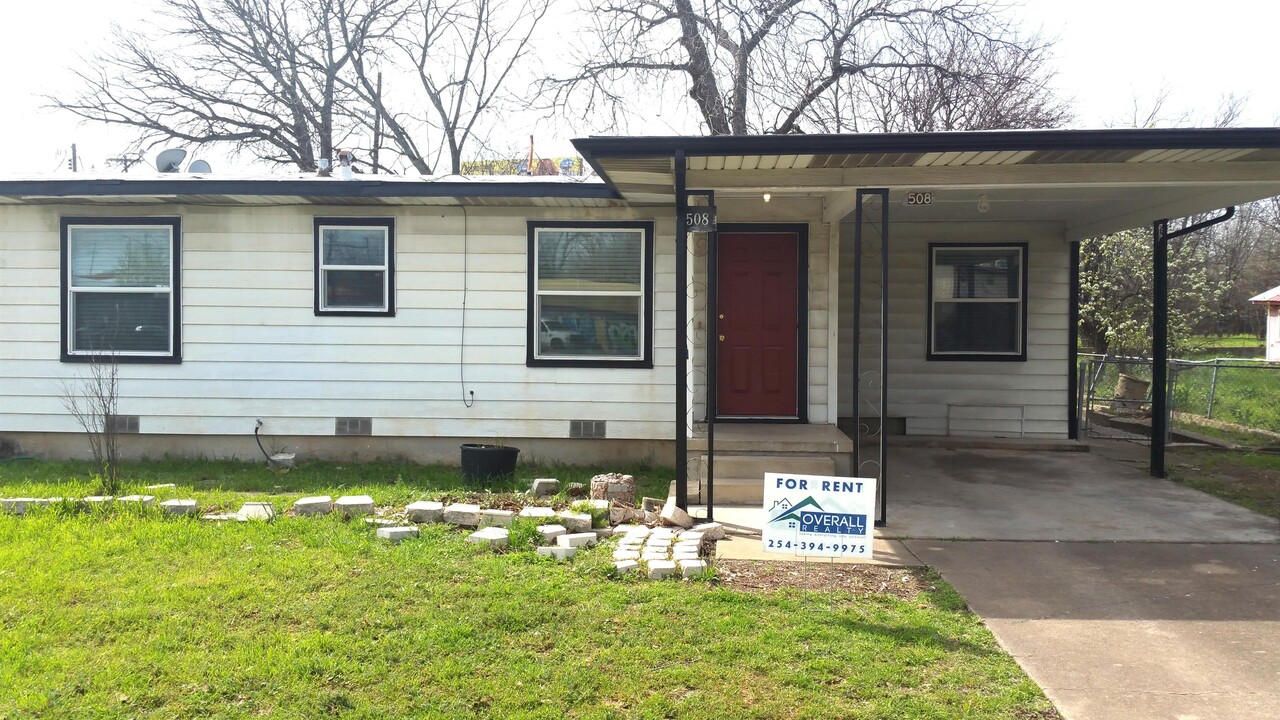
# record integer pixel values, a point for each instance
(1213, 387)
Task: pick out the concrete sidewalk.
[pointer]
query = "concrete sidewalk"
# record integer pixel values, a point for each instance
(1130, 631)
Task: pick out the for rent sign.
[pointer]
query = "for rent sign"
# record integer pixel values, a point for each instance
(819, 515)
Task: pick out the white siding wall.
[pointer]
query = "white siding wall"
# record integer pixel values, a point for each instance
(253, 347)
(920, 390)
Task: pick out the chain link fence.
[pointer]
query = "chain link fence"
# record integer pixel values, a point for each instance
(1205, 396)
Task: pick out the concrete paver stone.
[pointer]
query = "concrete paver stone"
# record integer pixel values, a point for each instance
(350, 506)
(309, 506)
(463, 514)
(425, 511)
(397, 534)
(179, 508)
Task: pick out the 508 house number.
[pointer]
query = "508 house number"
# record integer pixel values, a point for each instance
(919, 198)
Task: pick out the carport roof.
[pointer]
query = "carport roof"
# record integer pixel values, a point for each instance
(1092, 181)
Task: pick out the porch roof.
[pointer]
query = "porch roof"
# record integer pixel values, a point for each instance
(1092, 181)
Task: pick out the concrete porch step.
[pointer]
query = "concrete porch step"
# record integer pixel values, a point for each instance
(739, 479)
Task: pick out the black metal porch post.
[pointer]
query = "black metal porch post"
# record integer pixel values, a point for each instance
(1073, 346)
(1159, 345)
(682, 336)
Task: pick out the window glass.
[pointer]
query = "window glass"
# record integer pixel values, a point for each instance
(977, 305)
(354, 269)
(120, 297)
(589, 293)
(355, 246)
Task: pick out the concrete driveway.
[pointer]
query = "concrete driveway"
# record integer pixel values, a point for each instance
(1130, 631)
(1123, 596)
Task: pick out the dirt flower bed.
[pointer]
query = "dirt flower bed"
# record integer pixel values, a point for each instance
(761, 576)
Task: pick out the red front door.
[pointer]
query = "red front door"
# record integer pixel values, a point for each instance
(758, 298)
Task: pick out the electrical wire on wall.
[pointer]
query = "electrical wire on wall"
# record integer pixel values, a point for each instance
(468, 396)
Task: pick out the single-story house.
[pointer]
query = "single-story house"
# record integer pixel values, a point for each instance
(855, 287)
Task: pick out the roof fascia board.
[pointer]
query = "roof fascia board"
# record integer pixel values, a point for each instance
(336, 189)
(992, 176)
(998, 140)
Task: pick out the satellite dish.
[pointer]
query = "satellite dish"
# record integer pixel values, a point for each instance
(199, 166)
(168, 161)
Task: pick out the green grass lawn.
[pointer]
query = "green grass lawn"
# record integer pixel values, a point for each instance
(126, 614)
(1250, 479)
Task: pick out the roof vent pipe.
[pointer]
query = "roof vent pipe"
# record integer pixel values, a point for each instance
(345, 158)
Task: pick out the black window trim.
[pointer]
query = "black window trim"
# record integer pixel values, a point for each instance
(647, 275)
(1021, 355)
(317, 284)
(175, 288)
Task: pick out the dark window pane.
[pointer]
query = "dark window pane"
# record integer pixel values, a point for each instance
(119, 256)
(976, 327)
(589, 326)
(120, 322)
(591, 260)
(354, 289)
(985, 273)
(355, 246)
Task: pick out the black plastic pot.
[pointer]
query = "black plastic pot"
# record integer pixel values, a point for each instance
(483, 462)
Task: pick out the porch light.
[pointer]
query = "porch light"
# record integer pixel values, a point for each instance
(768, 197)
(984, 203)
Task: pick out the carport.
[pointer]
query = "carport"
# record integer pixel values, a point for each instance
(867, 373)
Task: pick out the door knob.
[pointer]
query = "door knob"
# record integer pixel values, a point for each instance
(721, 316)
(721, 338)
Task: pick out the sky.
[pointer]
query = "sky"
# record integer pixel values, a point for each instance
(1107, 52)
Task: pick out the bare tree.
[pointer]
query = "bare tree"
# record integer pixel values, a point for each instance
(288, 81)
(988, 86)
(260, 75)
(93, 402)
(774, 66)
(461, 55)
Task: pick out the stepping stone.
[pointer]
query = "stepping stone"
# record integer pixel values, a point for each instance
(496, 518)
(425, 511)
(349, 506)
(649, 556)
(544, 487)
(711, 530)
(143, 500)
(682, 556)
(659, 569)
(689, 568)
(98, 500)
(161, 486)
(576, 540)
(396, 534)
(178, 508)
(222, 517)
(257, 511)
(673, 515)
(600, 504)
(640, 530)
(535, 511)
(380, 522)
(626, 566)
(603, 532)
(687, 547)
(16, 506)
(462, 514)
(576, 522)
(496, 537)
(693, 536)
(310, 506)
(557, 552)
(626, 555)
(551, 532)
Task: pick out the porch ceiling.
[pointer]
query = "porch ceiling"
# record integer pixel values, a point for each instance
(1092, 181)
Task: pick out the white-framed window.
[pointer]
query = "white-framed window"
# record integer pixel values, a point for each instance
(121, 294)
(590, 294)
(355, 266)
(977, 302)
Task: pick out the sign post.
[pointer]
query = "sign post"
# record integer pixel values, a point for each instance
(818, 515)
